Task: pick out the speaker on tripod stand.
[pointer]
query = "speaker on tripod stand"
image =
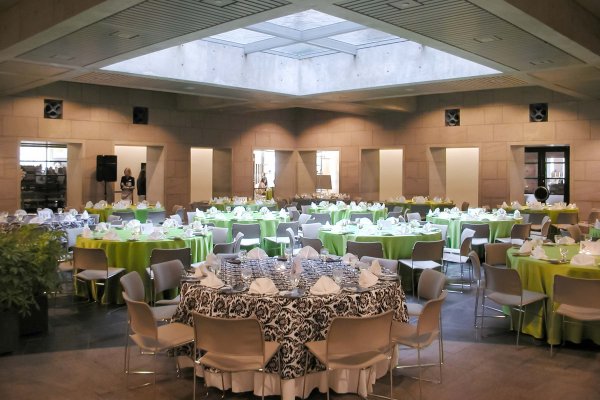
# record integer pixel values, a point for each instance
(106, 170)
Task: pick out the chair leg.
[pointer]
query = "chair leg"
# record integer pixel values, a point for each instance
(440, 353)
(420, 377)
(263, 384)
(222, 385)
(194, 391)
(520, 324)
(476, 304)
(304, 377)
(125, 363)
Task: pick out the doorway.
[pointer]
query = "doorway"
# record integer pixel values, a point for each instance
(547, 166)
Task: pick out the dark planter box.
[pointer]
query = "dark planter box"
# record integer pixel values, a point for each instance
(37, 321)
(9, 333)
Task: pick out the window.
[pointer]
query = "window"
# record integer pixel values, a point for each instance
(328, 163)
(264, 164)
(44, 175)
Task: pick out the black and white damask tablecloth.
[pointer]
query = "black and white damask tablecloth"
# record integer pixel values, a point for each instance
(292, 321)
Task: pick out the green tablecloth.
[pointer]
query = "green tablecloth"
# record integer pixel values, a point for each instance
(553, 214)
(140, 214)
(594, 232)
(538, 275)
(432, 204)
(498, 228)
(247, 206)
(338, 215)
(135, 256)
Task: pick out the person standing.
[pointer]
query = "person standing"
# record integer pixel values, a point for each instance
(127, 185)
(141, 183)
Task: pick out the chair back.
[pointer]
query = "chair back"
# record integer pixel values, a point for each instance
(311, 231)
(291, 208)
(141, 319)
(520, 231)
(465, 246)
(237, 242)
(567, 218)
(476, 263)
(429, 320)
(284, 226)
(425, 251)
(386, 263)
(167, 275)
(134, 286)
(546, 222)
(482, 231)
(72, 234)
(367, 215)
(351, 335)
(291, 237)
(219, 235)
(250, 231)
(594, 215)
(443, 230)
(534, 218)
(464, 206)
(314, 243)
(305, 208)
(161, 255)
(124, 215)
(431, 284)
(294, 214)
(577, 292)
(360, 249)
(221, 248)
(227, 256)
(574, 232)
(502, 280)
(422, 209)
(396, 214)
(413, 216)
(89, 259)
(303, 219)
(323, 218)
(495, 253)
(399, 209)
(190, 216)
(157, 217)
(234, 337)
(114, 220)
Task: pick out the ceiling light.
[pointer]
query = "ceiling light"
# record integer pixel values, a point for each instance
(219, 3)
(541, 61)
(404, 4)
(487, 39)
(124, 35)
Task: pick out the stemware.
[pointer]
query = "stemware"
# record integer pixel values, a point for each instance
(243, 255)
(324, 254)
(294, 281)
(563, 253)
(338, 275)
(246, 274)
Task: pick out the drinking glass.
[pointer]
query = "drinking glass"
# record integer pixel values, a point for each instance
(294, 281)
(246, 274)
(557, 238)
(243, 255)
(216, 268)
(228, 208)
(338, 275)
(288, 253)
(563, 253)
(324, 253)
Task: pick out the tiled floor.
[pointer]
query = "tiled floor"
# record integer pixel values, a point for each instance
(82, 357)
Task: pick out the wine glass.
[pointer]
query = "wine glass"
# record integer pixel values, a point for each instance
(288, 253)
(324, 253)
(294, 281)
(563, 253)
(243, 255)
(246, 274)
(338, 275)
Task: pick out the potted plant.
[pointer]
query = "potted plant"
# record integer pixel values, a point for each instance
(29, 257)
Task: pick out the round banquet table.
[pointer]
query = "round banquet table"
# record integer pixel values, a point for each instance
(538, 276)
(135, 256)
(291, 321)
(498, 227)
(141, 214)
(247, 206)
(432, 204)
(346, 213)
(551, 212)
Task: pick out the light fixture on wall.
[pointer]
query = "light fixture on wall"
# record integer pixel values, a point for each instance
(323, 182)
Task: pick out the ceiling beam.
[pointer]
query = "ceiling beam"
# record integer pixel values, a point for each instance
(267, 44)
(335, 45)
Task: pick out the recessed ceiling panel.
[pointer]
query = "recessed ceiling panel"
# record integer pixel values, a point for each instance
(306, 20)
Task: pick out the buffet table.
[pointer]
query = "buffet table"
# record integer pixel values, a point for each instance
(135, 256)
(538, 275)
(292, 321)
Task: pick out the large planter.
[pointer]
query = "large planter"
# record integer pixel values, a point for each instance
(9, 331)
(37, 320)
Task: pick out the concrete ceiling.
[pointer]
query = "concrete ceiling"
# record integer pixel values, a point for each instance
(549, 43)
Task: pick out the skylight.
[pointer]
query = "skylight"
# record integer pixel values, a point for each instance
(302, 54)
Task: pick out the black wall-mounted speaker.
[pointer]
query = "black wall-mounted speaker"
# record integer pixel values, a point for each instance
(452, 117)
(53, 109)
(106, 168)
(538, 112)
(140, 115)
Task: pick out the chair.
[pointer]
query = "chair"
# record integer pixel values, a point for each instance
(190, 216)
(425, 255)
(345, 346)
(292, 241)
(518, 234)
(421, 335)
(443, 230)
(503, 286)
(294, 213)
(391, 266)
(157, 217)
(65, 265)
(591, 220)
(543, 232)
(535, 219)
(114, 220)
(357, 216)
(314, 243)
(478, 276)
(219, 235)
(396, 214)
(574, 232)
(495, 253)
(464, 206)
(281, 236)
(303, 219)
(451, 256)
(399, 209)
(322, 218)
(413, 216)
(237, 242)
(481, 235)
(231, 345)
(167, 275)
(422, 209)
(91, 265)
(311, 231)
(124, 215)
(224, 248)
(566, 219)
(305, 208)
(251, 233)
(134, 288)
(431, 284)
(183, 254)
(360, 249)
(577, 298)
(152, 338)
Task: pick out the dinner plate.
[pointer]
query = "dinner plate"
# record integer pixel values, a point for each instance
(556, 261)
(233, 289)
(518, 254)
(234, 261)
(355, 289)
(386, 277)
(292, 294)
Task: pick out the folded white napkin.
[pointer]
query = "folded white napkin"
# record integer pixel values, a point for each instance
(365, 222)
(367, 278)
(147, 228)
(212, 260)
(308, 252)
(141, 206)
(297, 266)
(572, 206)
(583, 260)
(134, 223)
(102, 227)
(349, 258)
(526, 247)
(283, 213)
(517, 214)
(257, 254)
(85, 215)
(325, 285)
(566, 240)
(516, 205)
(170, 223)
(36, 220)
(158, 205)
(504, 205)
(157, 235)
(89, 204)
(375, 267)
(111, 235)
(86, 232)
(212, 281)
(262, 286)
(538, 253)
(69, 218)
(200, 270)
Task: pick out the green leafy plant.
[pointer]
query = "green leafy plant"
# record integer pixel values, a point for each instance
(29, 257)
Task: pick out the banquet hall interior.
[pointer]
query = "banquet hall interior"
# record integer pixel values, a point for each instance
(483, 112)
